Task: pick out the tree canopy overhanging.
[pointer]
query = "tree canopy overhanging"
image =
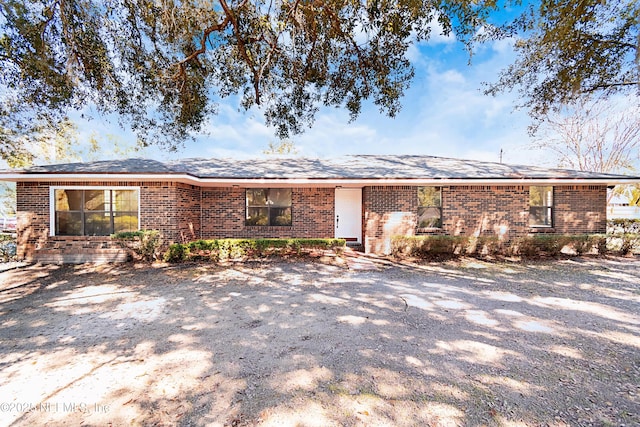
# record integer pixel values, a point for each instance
(161, 65)
(568, 49)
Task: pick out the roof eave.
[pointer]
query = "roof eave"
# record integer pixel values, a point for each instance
(307, 182)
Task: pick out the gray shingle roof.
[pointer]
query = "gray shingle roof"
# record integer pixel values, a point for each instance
(347, 167)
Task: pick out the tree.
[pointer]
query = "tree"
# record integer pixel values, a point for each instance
(61, 143)
(285, 146)
(160, 65)
(567, 49)
(7, 198)
(593, 135)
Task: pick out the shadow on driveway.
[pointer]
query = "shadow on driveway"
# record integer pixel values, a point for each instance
(310, 344)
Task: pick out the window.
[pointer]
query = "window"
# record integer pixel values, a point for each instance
(268, 206)
(429, 207)
(541, 206)
(95, 212)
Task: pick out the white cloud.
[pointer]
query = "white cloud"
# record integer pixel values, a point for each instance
(437, 34)
(444, 113)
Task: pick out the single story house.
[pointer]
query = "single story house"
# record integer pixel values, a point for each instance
(66, 212)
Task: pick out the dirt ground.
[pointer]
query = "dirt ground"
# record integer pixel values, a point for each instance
(310, 343)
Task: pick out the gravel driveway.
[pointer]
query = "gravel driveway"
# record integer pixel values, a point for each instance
(309, 343)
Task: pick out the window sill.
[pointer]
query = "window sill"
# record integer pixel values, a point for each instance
(263, 227)
(83, 237)
(541, 229)
(429, 230)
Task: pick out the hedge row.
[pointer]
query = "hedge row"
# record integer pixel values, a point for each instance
(528, 246)
(225, 249)
(623, 235)
(623, 226)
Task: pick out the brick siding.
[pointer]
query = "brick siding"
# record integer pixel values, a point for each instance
(223, 214)
(172, 208)
(479, 210)
(580, 209)
(388, 211)
(184, 213)
(485, 210)
(32, 200)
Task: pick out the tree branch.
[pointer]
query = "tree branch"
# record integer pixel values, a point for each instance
(181, 73)
(609, 85)
(355, 47)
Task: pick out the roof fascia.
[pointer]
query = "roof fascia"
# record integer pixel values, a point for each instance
(305, 182)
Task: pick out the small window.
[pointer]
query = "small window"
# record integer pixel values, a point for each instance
(541, 206)
(429, 207)
(268, 206)
(95, 212)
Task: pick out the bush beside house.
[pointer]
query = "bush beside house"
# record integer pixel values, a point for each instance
(622, 238)
(226, 249)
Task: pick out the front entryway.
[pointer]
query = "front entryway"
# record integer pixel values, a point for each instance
(348, 211)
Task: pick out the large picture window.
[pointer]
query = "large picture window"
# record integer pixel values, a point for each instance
(429, 207)
(541, 206)
(268, 206)
(95, 212)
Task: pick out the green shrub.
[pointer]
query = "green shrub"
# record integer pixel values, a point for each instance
(623, 243)
(144, 243)
(484, 245)
(526, 246)
(581, 244)
(623, 235)
(226, 249)
(428, 246)
(8, 247)
(623, 226)
(586, 243)
(177, 252)
(600, 242)
(553, 244)
(203, 245)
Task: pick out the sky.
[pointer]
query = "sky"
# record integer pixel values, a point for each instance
(444, 114)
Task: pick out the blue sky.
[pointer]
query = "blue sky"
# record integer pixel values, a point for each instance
(444, 113)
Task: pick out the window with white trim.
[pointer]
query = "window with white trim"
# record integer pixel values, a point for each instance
(268, 206)
(541, 206)
(95, 211)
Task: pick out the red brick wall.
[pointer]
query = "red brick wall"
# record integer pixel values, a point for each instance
(580, 209)
(33, 217)
(188, 212)
(486, 210)
(223, 214)
(158, 209)
(480, 210)
(388, 211)
(184, 212)
(172, 208)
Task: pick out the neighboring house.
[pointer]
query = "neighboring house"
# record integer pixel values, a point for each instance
(620, 208)
(8, 224)
(67, 212)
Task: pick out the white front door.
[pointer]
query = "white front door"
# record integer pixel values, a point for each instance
(348, 220)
